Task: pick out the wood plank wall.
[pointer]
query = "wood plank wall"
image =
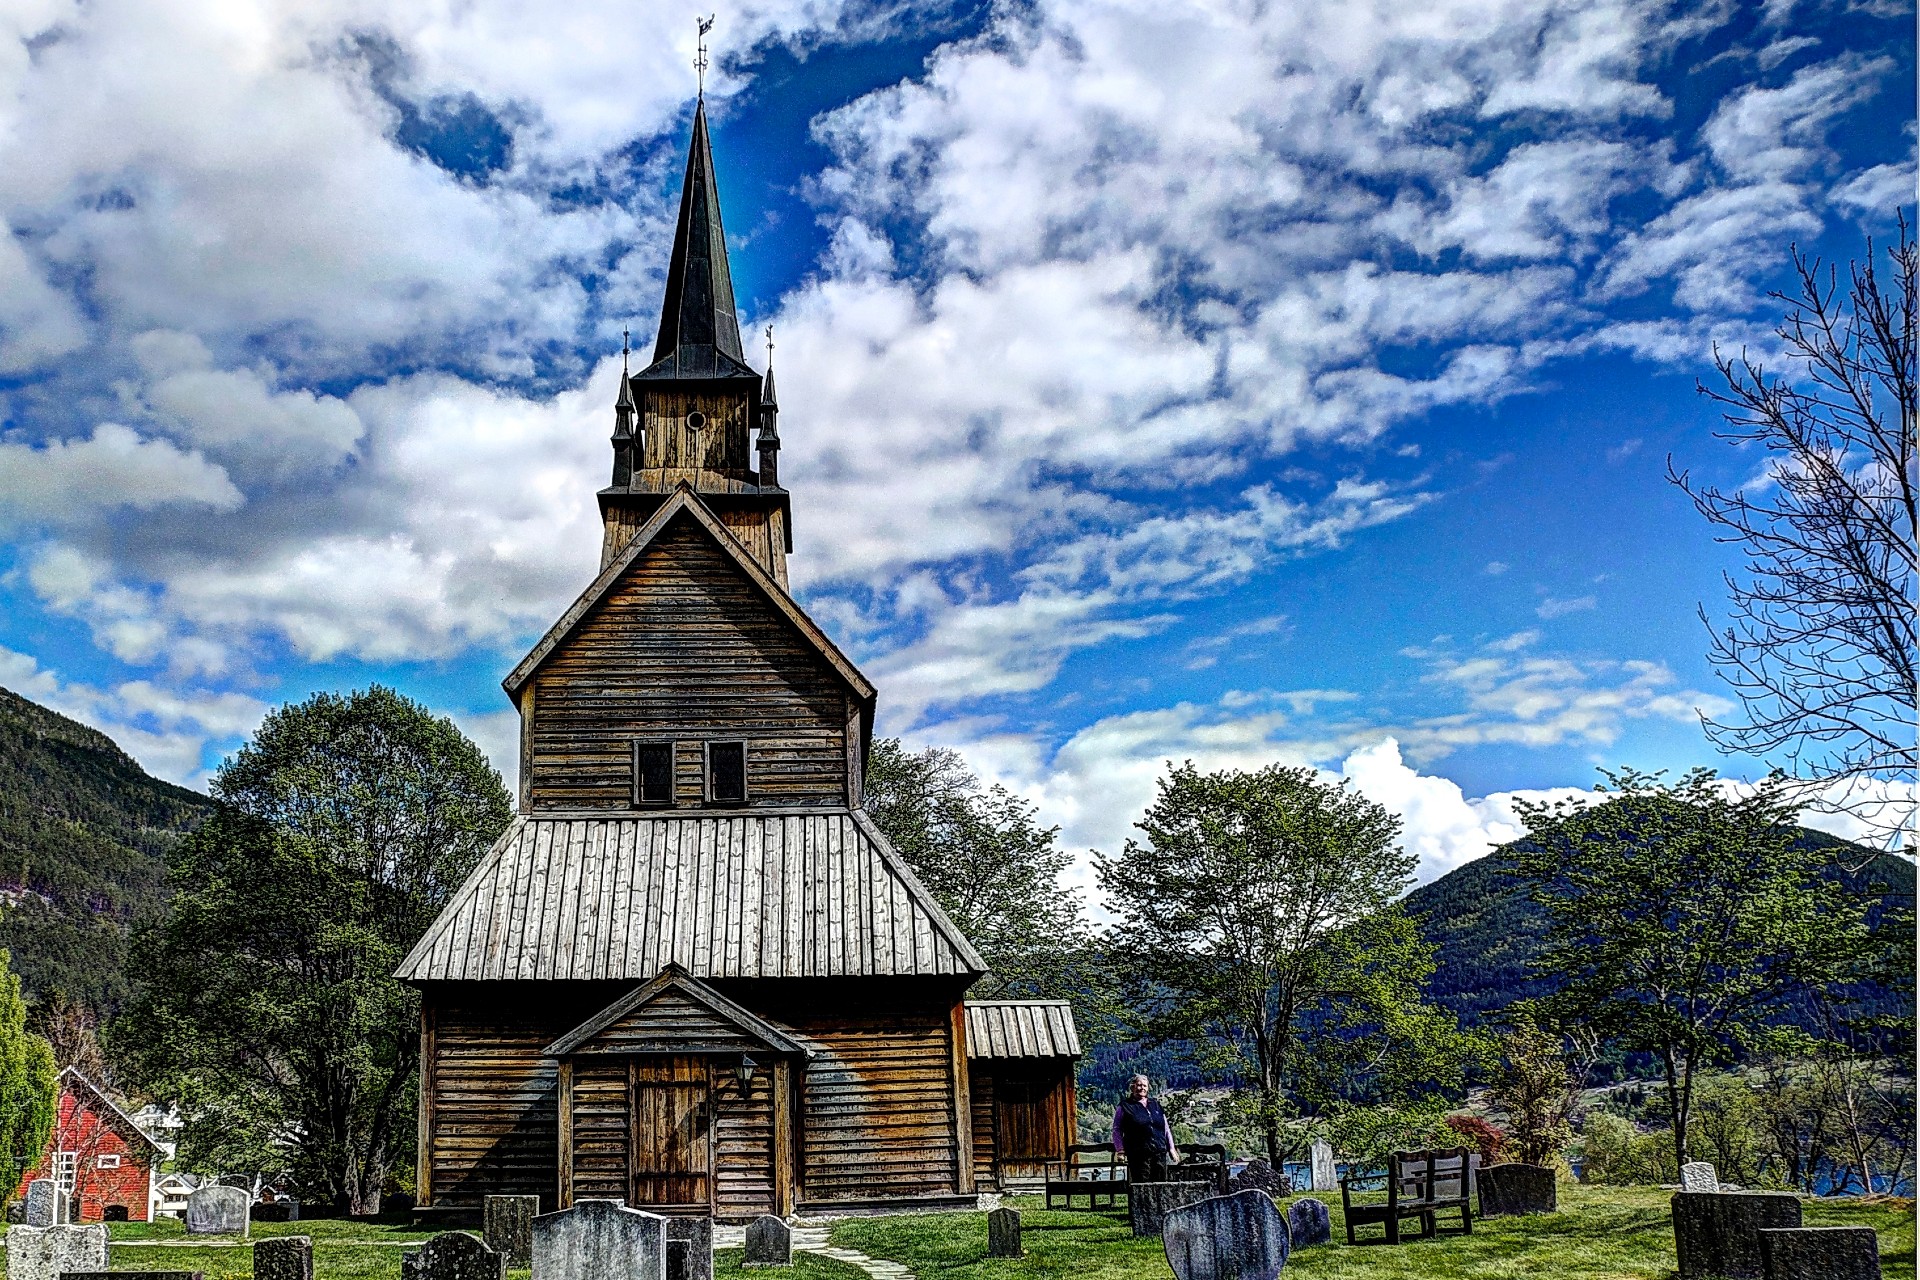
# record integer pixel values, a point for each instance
(601, 1118)
(743, 1143)
(492, 1116)
(877, 1114)
(762, 531)
(686, 648)
(980, 1082)
(722, 444)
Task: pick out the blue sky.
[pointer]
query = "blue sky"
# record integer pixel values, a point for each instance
(1224, 381)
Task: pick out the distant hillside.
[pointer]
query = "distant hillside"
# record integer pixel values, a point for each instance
(84, 833)
(1488, 930)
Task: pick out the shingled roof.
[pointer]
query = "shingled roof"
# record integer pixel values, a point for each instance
(1021, 1029)
(747, 895)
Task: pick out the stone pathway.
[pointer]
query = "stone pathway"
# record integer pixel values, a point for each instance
(811, 1237)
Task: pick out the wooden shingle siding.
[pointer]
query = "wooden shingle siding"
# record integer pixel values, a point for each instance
(720, 445)
(877, 1114)
(749, 895)
(744, 1146)
(684, 647)
(600, 1129)
(494, 1128)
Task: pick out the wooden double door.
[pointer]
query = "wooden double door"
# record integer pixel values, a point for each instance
(672, 1150)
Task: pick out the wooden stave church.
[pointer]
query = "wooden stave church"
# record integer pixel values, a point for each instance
(693, 975)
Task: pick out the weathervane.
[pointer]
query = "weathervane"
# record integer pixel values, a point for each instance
(626, 336)
(769, 346)
(700, 58)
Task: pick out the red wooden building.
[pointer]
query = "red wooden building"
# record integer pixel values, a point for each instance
(99, 1155)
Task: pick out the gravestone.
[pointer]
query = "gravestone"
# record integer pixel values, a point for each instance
(283, 1258)
(282, 1210)
(1324, 1177)
(689, 1249)
(217, 1210)
(1718, 1233)
(1258, 1175)
(1003, 1234)
(1819, 1253)
(599, 1240)
(1512, 1189)
(1149, 1203)
(46, 1253)
(1236, 1237)
(453, 1255)
(1308, 1223)
(769, 1242)
(507, 1227)
(47, 1204)
(1698, 1175)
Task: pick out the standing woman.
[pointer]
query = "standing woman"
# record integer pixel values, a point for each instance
(1141, 1131)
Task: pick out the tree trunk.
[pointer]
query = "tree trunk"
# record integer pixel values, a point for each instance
(1676, 1107)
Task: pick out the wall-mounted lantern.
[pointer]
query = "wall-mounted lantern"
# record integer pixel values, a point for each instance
(745, 1071)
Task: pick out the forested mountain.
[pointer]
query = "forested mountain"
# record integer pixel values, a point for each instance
(84, 832)
(1488, 929)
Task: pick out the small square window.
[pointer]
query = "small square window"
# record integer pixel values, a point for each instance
(727, 772)
(653, 773)
(106, 1162)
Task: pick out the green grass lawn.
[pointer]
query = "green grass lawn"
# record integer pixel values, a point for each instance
(1612, 1233)
(1603, 1233)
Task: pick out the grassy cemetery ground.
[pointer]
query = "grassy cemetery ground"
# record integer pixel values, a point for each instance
(1604, 1233)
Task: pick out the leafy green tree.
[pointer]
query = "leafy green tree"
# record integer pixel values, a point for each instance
(1258, 914)
(267, 1005)
(992, 867)
(1535, 1087)
(28, 1087)
(1682, 918)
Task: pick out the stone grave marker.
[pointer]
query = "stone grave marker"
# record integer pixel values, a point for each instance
(283, 1258)
(1003, 1234)
(1718, 1233)
(453, 1255)
(1819, 1253)
(1510, 1189)
(1149, 1203)
(600, 1240)
(281, 1210)
(1236, 1237)
(47, 1253)
(218, 1210)
(507, 1227)
(1308, 1223)
(1258, 1175)
(689, 1248)
(1324, 1176)
(47, 1204)
(1698, 1175)
(769, 1242)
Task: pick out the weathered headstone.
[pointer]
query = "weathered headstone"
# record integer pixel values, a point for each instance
(1258, 1175)
(1236, 1237)
(1698, 1175)
(46, 1253)
(599, 1239)
(1149, 1203)
(47, 1204)
(769, 1243)
(1324, 1177)
(281, 1210)
(1718, 1233)
(1510, 1189)
(507, 1227)
(217, 1210)
(453, 1255)
(689, 1248)
(1308, 1223)
(283, 1258)
(1003, 1233)
(1819, 1253)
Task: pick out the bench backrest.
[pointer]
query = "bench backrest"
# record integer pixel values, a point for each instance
(1429, 1175)
(1203, 1154)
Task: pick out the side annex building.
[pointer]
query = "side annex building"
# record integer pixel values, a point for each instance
(692, 974)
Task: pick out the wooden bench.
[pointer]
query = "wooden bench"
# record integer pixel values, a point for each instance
(1092, 1169)
(1202, 1163)
(1419, 1184)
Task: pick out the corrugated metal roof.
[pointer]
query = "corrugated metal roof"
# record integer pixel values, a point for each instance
(746, 895)
(1021, 1029)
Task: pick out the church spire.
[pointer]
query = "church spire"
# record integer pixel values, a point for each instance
(699, 331)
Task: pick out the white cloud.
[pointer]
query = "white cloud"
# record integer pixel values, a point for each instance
(72, 481)
(1557, 607)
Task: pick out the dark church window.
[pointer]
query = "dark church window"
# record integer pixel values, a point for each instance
(727, 772)
(653, 773)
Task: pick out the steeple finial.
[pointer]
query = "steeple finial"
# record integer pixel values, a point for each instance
(700, 57)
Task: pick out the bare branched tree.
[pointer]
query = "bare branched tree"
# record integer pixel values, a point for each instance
(1819, 637)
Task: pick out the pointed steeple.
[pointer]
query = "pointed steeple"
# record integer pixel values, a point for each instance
(623, 441)
(769, 442)
(699, 331)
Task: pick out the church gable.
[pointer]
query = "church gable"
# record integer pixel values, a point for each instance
(687, 666)
(675, 1013)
